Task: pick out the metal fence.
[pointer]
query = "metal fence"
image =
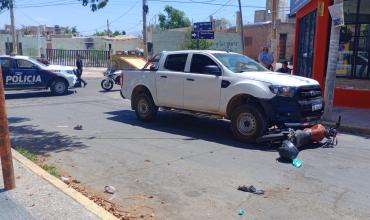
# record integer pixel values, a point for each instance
(90, 58)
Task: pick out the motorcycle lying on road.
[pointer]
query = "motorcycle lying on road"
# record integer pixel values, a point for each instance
(111, 77)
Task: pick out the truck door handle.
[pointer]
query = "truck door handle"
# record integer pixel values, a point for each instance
(165, 77)
(189, 79)
(18, 73)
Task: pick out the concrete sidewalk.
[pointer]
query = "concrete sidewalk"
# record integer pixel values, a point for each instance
(92, 72)
(353, 119)
(36, 198)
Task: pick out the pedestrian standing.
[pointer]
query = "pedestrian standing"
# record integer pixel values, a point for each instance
(284, 68)
(266, 59)
(79, 66)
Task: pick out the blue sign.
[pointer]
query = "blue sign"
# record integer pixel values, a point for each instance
(295, 5)
(203, 35)
(202, 26)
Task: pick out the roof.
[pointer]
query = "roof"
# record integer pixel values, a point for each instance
(14, 57)
(120, 38)
(195, 51)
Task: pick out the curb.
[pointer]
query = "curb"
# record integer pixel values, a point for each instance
(78, 197)
(348, 128)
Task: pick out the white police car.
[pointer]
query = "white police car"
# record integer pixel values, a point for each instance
(22, 72)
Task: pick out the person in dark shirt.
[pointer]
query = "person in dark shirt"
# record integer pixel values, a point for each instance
(284, 68)
(79, 66)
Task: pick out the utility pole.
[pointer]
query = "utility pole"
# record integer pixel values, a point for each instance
(108, 28)
(5, 150)
(145, 12)
(331, 70)
(11, 7)
(273, 33)
(241, 26)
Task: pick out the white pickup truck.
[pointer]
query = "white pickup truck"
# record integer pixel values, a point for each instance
(226, 85)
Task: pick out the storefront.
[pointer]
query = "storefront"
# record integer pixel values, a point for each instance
(312, 46)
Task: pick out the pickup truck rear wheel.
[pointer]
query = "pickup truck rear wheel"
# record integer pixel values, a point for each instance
(248, 123)
(145, 108)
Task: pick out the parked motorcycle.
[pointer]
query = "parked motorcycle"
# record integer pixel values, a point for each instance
(111, 77)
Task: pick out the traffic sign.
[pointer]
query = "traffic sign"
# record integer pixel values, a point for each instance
(202, 26)
(202, 35)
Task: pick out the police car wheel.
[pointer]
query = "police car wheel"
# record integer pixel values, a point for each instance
(59, 87)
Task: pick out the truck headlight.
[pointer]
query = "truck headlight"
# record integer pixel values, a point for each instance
(285, 91)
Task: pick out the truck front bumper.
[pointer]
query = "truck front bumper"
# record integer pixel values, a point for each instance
(292, 112)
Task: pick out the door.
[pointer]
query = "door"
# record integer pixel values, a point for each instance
(5, 68)
(282, 46)
(24, 74)
(169, 81)
(306, 36)
(202, 90)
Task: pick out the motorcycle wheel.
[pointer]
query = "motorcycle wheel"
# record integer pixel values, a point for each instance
(107, 84)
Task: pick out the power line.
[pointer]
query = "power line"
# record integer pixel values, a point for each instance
(114, 20)
(219, 9)
(207, 3)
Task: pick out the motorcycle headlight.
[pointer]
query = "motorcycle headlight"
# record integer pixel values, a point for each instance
(285, 91)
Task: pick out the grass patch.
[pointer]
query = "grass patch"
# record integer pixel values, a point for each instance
(33, 157)
(26, 153)
(51, 170)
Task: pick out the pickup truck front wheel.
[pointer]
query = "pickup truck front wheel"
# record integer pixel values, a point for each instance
(247, 123)
(145, 108)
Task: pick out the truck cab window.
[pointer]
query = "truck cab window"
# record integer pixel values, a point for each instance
(24, 64)
(176, 62)
(199, 61)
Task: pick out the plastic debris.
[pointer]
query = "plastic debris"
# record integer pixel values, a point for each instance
(78, 127)
(109, 189)
(297, 163)
(241, 212)
(251, 189)
(65, 179)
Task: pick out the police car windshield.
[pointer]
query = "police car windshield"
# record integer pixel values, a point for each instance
(239, 63)
(34, 61)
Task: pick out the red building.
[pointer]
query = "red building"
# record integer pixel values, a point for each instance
(313, 24)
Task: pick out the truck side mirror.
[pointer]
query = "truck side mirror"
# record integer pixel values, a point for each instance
(213, 70)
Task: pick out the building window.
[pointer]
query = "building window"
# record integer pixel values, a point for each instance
(354, 43)
(248, 41)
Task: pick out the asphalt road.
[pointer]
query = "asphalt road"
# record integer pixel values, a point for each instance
(181, 167)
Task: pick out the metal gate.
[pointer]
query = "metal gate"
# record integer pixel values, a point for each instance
(90, 58)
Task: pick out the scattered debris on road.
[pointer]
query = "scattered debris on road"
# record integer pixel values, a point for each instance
(241, 212)
(251, 189)
(297, 163)
(109, 189)
(65, 179)
(78, 127)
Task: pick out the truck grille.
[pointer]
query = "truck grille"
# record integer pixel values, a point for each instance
(309, 92)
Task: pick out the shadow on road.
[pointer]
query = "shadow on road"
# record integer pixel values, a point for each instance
(113, 90)
(217, 131)
(31, 94)
(39, 141)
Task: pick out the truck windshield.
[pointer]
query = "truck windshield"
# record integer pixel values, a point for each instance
(239, 63)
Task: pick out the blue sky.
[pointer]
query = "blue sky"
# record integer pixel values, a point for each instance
(123, 14)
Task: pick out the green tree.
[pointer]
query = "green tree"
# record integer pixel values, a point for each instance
(116, 33)
(123, 32)
(190, 44)
(173, 18)
(74, 30)
(67, 30)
